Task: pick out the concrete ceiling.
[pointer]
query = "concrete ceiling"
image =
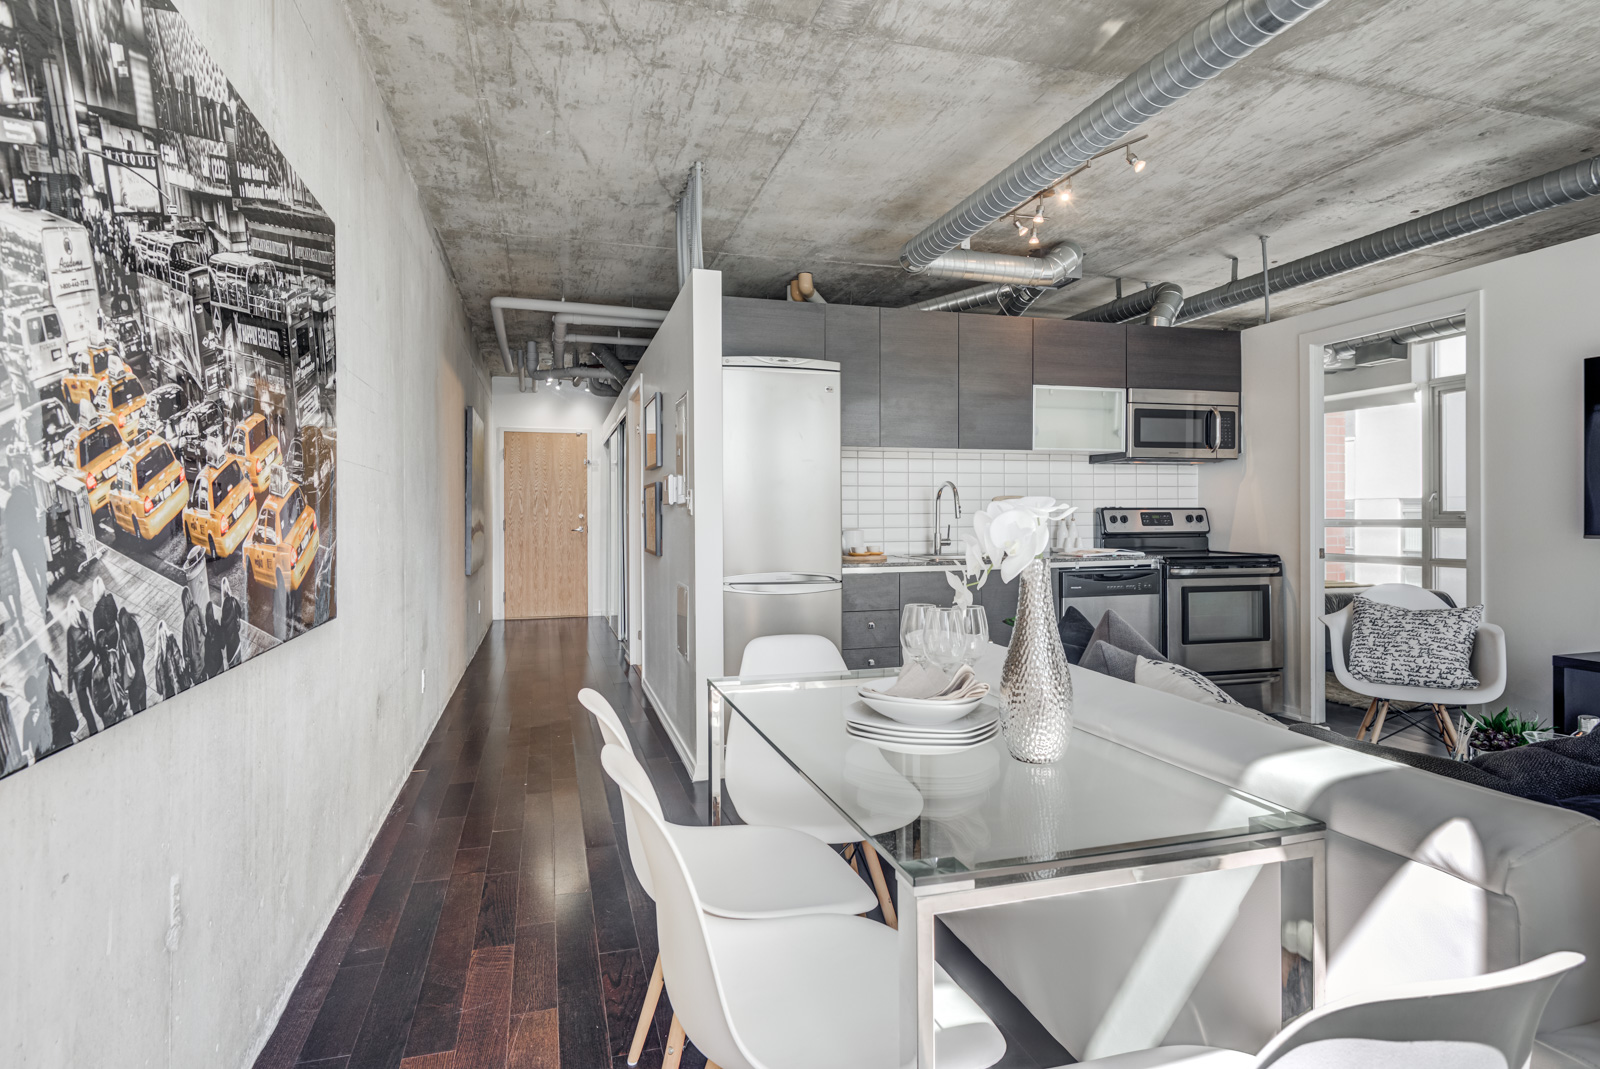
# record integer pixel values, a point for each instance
(550, 137)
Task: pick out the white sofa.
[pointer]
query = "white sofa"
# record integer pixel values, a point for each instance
(1427, 878)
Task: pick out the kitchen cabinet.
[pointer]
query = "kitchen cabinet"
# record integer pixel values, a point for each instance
(1068, 352)
(874, 657)
(871, 590)
(863, 629)
(925, 588)
(995, 382)
(919, 379)
(755, 327)
(999, 601)
(851, 338)
(1176, 358)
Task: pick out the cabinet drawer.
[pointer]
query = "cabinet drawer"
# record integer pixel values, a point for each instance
(875, 657)
(865, 629)
(929, 588)
(871, 592)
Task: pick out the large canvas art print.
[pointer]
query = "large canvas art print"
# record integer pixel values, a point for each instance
(167, 389)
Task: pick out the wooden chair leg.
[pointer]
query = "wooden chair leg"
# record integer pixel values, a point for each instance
(1377, 729)
(850, 856)
(647, 1013)
(674, 1051)
(1366, 721)
(879, 884)
(1441, 716)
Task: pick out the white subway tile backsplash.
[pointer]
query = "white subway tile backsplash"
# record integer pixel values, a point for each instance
(888, 494)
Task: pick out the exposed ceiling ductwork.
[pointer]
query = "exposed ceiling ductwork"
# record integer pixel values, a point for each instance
(1062, 263)
(1387, 345)
(691, 251)
(1157, 305)
(1567, 185)
(1226, 36)
(609, 315)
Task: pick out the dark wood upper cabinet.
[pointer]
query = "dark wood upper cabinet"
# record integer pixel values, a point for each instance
(755, 327)
(851, 333)
(996, 382)
(919, 379)
(1068, 352)
(1178, 358)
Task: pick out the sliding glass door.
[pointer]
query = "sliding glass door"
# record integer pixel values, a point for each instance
(1394, 471)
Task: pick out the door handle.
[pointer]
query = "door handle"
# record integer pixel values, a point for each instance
(578, 530)
(1213, 421)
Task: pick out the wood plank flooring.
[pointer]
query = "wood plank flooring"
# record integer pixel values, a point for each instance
(496, 921)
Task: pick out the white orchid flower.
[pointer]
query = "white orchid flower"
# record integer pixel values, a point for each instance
(1017, 532)
(971, 578)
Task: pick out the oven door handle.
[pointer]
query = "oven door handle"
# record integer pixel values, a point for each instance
(1212, 573)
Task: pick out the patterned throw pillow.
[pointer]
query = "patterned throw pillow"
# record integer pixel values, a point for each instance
(1413, 647)
(1172, 678)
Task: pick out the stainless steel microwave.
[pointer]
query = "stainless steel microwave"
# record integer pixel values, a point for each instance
(1177, 427)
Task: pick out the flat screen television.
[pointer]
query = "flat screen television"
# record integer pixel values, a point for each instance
(1591, 447)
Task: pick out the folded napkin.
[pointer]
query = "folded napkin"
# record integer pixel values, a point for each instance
(927, 683)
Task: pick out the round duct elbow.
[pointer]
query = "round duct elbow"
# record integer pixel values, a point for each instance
(1062, 262)
(1168, 303)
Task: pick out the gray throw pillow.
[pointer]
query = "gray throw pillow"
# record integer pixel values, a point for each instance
(1076, 631)
(1115, 648)
(1413, 647)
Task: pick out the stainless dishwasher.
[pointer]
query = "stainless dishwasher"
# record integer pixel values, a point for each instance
(1133, 589)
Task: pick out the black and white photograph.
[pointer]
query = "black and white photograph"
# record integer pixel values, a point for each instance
(168, 394)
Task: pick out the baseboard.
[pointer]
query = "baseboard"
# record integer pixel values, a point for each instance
(685, 753)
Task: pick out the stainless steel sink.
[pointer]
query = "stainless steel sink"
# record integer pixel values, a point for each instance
(928, 558)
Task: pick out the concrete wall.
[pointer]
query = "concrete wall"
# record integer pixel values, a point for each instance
(1530, 326)
(163, 884)
(549, 408)
(685, 358)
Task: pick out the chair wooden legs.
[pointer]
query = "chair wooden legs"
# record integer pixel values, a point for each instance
(1447, 730)
(1377, 729)
(879, 884)
(850, 856)
(652, 995)
(1366, 721)
(674, 1051)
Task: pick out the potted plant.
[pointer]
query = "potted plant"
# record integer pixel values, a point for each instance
(1504, 730)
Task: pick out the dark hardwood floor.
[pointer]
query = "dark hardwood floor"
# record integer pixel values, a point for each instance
(497, 920)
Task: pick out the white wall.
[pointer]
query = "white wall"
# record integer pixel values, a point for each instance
(561, 407)
(1540, 579)
(257, 793)
(685, 357)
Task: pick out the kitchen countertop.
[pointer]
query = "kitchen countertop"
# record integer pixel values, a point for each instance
(912, 564)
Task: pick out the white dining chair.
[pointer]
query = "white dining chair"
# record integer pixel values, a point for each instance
(789, 993)
(1488, 665)
(747, 872)
(766, 789)
(1481, 1022)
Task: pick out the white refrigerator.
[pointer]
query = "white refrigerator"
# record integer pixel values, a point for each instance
(780, 506)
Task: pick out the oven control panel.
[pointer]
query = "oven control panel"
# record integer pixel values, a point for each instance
(1155, 521)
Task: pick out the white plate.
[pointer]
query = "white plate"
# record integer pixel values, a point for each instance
(919, 736)
(981, 718)
(920, 712)
(922, 749)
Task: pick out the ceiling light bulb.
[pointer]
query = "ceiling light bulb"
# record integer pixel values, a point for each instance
(1034, 240)
(1065, 194)
(1022, 231)
(1038, 214)
(1134, 160)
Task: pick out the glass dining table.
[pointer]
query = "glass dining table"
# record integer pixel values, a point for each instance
(976, 829)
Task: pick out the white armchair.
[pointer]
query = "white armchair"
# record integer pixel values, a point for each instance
(1488, 665)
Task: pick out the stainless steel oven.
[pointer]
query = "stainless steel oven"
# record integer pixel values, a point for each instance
(1176, 426)
(1225, 615)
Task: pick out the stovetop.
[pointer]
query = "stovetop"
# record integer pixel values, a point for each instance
(1179, 535)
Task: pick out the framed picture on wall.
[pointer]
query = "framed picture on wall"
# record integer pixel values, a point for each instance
(477, 481)
(652, 432)
(652, 516)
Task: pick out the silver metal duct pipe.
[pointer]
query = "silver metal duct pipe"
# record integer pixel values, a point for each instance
(1429, 331)
(1141, 305)
(605, 339)
(1566, 185)
(498, 306)
(961, 300)
(562, 320)
(1226, 36)
(1062, 262)
(1168, 302)
(609, 361)
(691, 253)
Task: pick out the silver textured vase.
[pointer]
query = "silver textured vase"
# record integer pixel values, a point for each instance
(1035, 685)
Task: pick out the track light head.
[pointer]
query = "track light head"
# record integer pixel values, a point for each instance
(1133, 160)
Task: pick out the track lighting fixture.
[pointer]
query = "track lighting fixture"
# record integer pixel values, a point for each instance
(1133, 159)
(1038, 212)
(1022, 231)
(1034, 238)
(1064, 194)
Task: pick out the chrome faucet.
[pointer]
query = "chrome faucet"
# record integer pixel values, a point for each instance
(945, 541)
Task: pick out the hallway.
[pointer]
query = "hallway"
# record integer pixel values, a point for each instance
(496, 920)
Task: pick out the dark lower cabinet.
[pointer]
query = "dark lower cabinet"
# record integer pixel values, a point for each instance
(877, 657)
(872, 603)
(996, 382)
(865, 629)
(871, 590)
(918, 379)
(999, 601)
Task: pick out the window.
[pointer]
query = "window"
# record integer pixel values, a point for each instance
(97, 443)
(35, 332)
(1395, 471)
(154, 463)
(52, 325)
(230, 476)
(293, 505)
(127, 390)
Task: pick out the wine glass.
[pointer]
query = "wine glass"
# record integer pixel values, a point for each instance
(914, 626)
(974, 629)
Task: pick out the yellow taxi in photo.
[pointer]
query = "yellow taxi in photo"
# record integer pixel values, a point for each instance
(93, 369)
(98, 447)
(253, 441)
(285, 541)
(120, 399)
(222, 507)
(149, 490)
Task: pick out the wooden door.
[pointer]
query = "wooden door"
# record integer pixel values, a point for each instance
(547, 520)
